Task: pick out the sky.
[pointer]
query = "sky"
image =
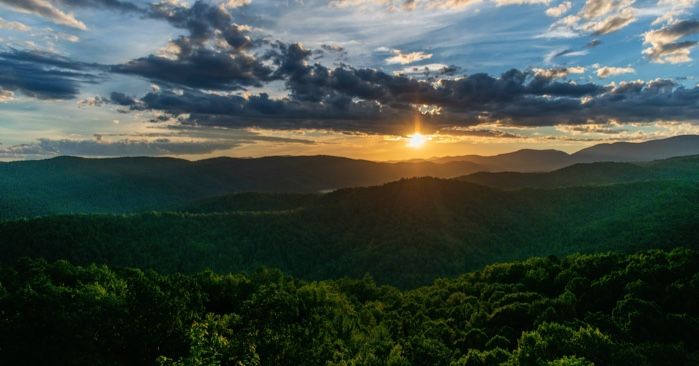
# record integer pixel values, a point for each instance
(356, 78)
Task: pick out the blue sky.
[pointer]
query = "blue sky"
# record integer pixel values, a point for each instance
(345, 77)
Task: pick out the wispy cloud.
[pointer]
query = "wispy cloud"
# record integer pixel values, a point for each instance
(398, 57)
(666, 45)
(45, 9)
(13, 25)
(560, 9)
(597, 17)
(604, 72)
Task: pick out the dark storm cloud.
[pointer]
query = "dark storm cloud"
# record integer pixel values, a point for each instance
(44, 75)
(216, 54)
(122, 99)
(106, 4)
(201, 68)
(371, 101)
(264, 112)
(202, 19)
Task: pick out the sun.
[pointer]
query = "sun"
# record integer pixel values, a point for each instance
(416, 140)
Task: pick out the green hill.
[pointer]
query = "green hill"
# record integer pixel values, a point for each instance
(404, 233)
(683, 168)
(75, 185)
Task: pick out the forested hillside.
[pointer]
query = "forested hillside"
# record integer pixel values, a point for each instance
(70, 185)
(678, 169)
(404, 233)
(601, 309)
(75, 185)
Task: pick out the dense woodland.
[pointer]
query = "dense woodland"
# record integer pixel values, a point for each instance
(598, 309)
(682, 168)
(68, 185)
(398, 274)
(405, 233)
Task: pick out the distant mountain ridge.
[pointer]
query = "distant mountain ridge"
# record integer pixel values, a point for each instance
(119, 185)
(547, 160)
(638, 152)
(586, 174)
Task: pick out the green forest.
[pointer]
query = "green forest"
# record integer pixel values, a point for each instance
(405, 233)
(487, 269)
(596, 309)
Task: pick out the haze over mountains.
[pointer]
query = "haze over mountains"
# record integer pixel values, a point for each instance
(439, 227)
(681, 168)
(547, 160)
(120, 185)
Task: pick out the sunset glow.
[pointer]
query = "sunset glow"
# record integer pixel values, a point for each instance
(417, 140)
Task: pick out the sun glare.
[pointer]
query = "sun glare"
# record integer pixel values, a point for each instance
(416, 140)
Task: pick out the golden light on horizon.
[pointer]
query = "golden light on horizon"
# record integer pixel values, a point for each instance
(417, 140)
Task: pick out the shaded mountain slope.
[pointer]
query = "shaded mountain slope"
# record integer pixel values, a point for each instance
(76, 185)
(405, 233)
(683, 168)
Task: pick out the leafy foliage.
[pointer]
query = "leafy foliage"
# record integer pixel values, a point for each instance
(600, 309)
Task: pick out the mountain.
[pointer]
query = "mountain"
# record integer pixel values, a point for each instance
(121, 185)
(643, 151)
(520, 161)
(547, 160)
(404, 233)
(78, 185)
(682, 169)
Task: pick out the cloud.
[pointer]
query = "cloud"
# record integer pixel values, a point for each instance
(521, 2)
(118, 5)
(480, 132)
(407, 58)
(232, 4)
(428, 70)
(51, 9)
(570, 52)
(332, 48)
(45, 9)
(15, 26)
(604, 72)
(665, 45)
(559, 10)
(371, 101)
(558, 73)
(44, 75)
(180, 142)
(597, 17)
(93, 102)
(410, 5)
(672, 9)
(216, 53)
(611, 24)
(125, 147)
(6, 96)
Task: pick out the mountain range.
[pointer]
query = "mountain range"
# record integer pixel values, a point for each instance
(120, 185)
(547, 160)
